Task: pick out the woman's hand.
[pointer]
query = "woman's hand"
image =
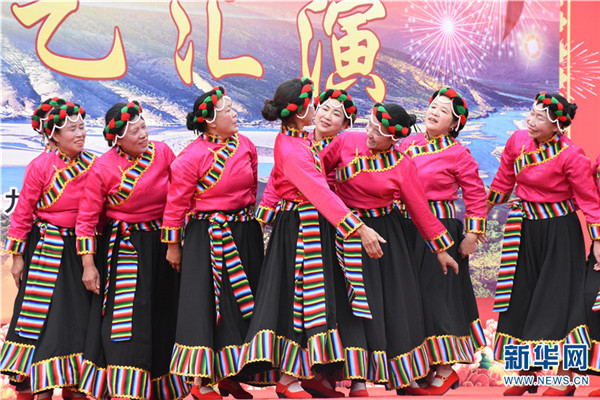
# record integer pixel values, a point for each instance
(446, 260)
(90, 278)
(17, 269)
(174, 256)
(595, 250)
(370, 241)
(468, 245)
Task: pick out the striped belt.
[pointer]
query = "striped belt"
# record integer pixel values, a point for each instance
(439, 208)
(41, 279)
(309, 285)
(125, 276)
(349, 254)
(512, 241)
(224, 255)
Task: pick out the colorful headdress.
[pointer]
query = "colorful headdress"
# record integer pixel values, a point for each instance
(58, 117)
(302, 102)
(562, 109)
(339, 94)
(39, 114)
(397, 124)
(128, 114)
(459, 106)
(207, 110)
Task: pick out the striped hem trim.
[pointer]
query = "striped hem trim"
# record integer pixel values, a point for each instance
(171, 235)
(86, 245)
(594, 356)
(440, 243)
(16, 358)
(265, 215)
(170, 387)
(407, 367)
(192, 361)
(14, 246)
(450, 349)
(130, 382)
(475, 224)
(56, 372)
(594, 231)
(93, 380)
(362, 364)
(579, 335)
(348, 225)
(495, 197)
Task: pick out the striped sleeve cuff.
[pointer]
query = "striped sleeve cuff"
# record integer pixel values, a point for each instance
(348, 225)
(171, 235)
(594, 230)
(265, 215)
(440, 243)
(14, 246)
(495, 197)
(475, 224)
(86, 245)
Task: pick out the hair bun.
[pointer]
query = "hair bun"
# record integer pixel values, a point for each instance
(189, 121)
(270, 112)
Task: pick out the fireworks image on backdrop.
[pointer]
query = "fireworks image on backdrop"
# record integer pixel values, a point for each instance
(585, 70)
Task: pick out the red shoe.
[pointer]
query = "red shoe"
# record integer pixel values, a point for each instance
(212, 395)
(24, 395)
(317, 389)
(594, 393)
(450, 382)
(69, 394)
(569, 391)
(412, 391)
(359, 393)
(520, 390)
(284, 393)
(229, 387)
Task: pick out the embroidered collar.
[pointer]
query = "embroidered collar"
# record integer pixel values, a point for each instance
(547, 143)
(321, 144)
(212, 138)
(126, 156)
(293, 132)
(547, 151)
(433, 145)
(65, 157)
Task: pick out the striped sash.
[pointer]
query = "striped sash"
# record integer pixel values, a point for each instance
(224, 255)
(41, 279)
(349, 255)
(512, 241)
(380, 162)
(215, 172)
(131, 176)
(125, 277)
(439, 208)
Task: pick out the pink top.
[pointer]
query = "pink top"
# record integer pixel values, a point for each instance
(596, 173)
(296, 177)
(210, 174)
(366, 180)
(130, 189)
(51, 190)
(557, 170)
(444, 166)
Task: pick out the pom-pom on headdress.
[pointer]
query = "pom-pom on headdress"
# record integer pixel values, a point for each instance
(39, 114)
(58, 117)
(459, 106)
(302, 102)
(129, 114)
(339, 94)
(562, 109)
(207, 110)
(392, 123)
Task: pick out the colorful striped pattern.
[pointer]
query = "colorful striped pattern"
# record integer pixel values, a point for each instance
(448, 349)
(224, 255)
(170, 387)
(439, 208)
(495, 197)
(594, 356)
(309, 289)
(93, 380)
(380, 162)
(128, 382)
(86, 245)
(227, 362)
(325, 348)
(41, 279)
(321, 144)
(62, 178)
(348, 225)
(14, 245)
(265, 215)
(293, 132)
(131, 176)
(356, 364)
(192, 361)
(407, 367)
(16, 357)
(594, 231)
(215, 172)
(56, 372)
(475, 224)
(171, 235)
(441, 243)
(435, 145)
(579, 335)
(546, 152)
(294, 360)
(512, 242)
(125, 277)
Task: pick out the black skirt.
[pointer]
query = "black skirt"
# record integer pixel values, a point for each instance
(390, 347)
(54, 359)
(138, 367)
(452, 326)
(205, 348)
(592, 287)
(547, 301)
(272, 343)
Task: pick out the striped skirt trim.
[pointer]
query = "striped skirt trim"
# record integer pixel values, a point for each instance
(56, 372)
(449, 349)
(16, 358)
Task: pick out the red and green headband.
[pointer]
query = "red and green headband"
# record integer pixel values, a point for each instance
(343, 97)
(206, 109)
(126, 114)
(564, 111)
(303, 100)
(391, 122)
(58, 117)
(459, 105)
(39, 115)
